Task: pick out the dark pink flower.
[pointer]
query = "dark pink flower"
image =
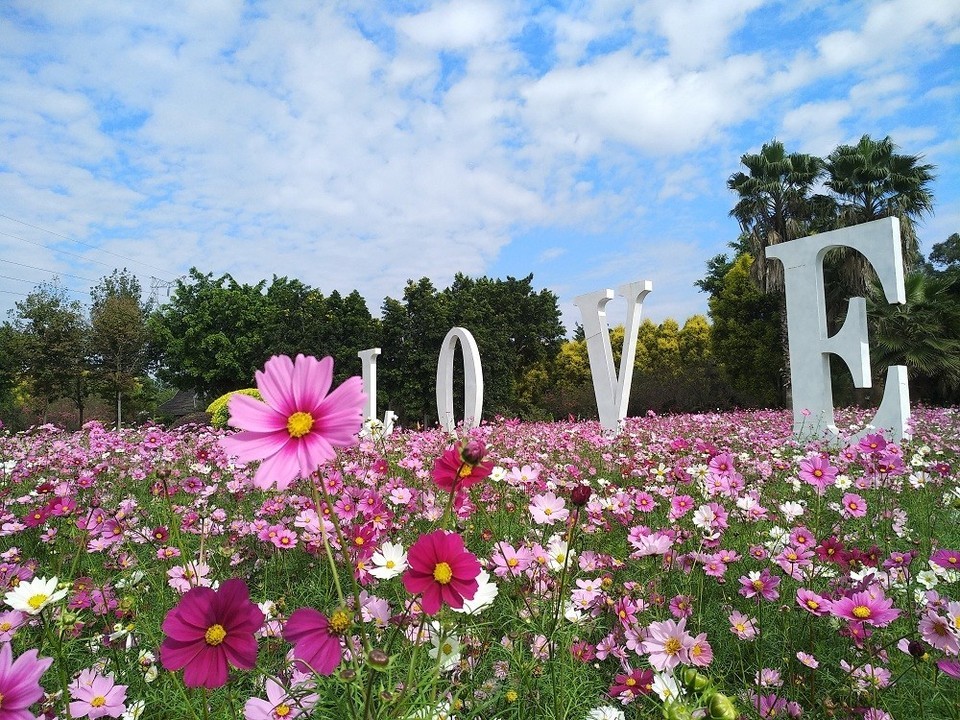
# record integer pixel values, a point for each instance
(210, 629)
(316, 640)
(295, 430)
(760, 583)
(629, 685)
(461, 467)
(442, 570)
(869, 606)
(20, 682)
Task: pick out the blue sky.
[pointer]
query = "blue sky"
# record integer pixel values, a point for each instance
(355, 145)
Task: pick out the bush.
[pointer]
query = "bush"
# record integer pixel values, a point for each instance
(219, 409)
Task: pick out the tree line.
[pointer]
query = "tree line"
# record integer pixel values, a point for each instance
(122, 356)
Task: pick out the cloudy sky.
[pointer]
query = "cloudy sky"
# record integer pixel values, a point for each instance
(360, 143)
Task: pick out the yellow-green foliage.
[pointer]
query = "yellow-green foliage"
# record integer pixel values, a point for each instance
(219, 408)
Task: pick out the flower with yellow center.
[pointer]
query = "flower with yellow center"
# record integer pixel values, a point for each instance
(33, 596)
(339, 621)
(214, 635)
(442, 573)
(862, 612)
(299, 424)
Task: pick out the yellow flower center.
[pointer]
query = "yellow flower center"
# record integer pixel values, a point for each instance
(391, 564)
(358, 541)
(511, 696)
(513, 562)
(37, 601)
(282, 710)
(5, 625)
(339, 621)
(547, 511)
(98, 701)
(861, 611)
(757, 584)
(442, 573)
(672, 646)
(813, 604)
(630, 682)
(215, 635)
(447, 648)
(465, 470)
(299, 424)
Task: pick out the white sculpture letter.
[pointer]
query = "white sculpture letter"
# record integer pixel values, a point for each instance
(369, 375)
(612, 391)
(472, 380)
(810, 347)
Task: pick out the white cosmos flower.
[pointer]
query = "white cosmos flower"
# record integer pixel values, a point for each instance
(389, 561)
(665, 686)
(33, 596)
(484, 597)
(605, 712)
(446, 650)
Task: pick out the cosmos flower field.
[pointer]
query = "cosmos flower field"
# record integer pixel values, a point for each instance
(691, 566)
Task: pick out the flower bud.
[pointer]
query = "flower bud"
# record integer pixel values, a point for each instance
(580, 495)
(378, 659)
(473, 452)
(917, 649)
(676, 711)
(722, 708)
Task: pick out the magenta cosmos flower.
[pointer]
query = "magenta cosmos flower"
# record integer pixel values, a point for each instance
(869, 606)
(295, 430)
(20, 682)
(316, 640)
(461, 466)
(207, 630)
(442, 570)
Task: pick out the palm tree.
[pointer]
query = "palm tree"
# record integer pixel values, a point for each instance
(923, 334)
(872, 181)
(774, 205)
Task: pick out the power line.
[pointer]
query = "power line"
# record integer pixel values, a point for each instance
(80, 242)
(52, 272)
(35, 282)
(65, 252)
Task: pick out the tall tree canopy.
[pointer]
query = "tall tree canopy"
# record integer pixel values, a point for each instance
(119, 336)
(55, 345)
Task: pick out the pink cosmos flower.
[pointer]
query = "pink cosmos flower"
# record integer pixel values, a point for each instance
(279, 705)
(298, 426)
(627, 686)
(818, 471)
(316, 640)
(853, 506)
(462, 466)
(97, 696)
(210, 629)
(947, 559)
(760, 583)
(869, 606)
(548, 509)
(668, 643)
(20, 682)
(743, 626)
(811, 602)
(442, 570)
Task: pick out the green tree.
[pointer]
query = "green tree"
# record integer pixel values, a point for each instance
(515, 327)
(923, 334)
(870, 181)
(947, 253)
(55, 346)
(745, 337)
(119, 338)
(412, 331)
(213, 333)
(774, 204)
